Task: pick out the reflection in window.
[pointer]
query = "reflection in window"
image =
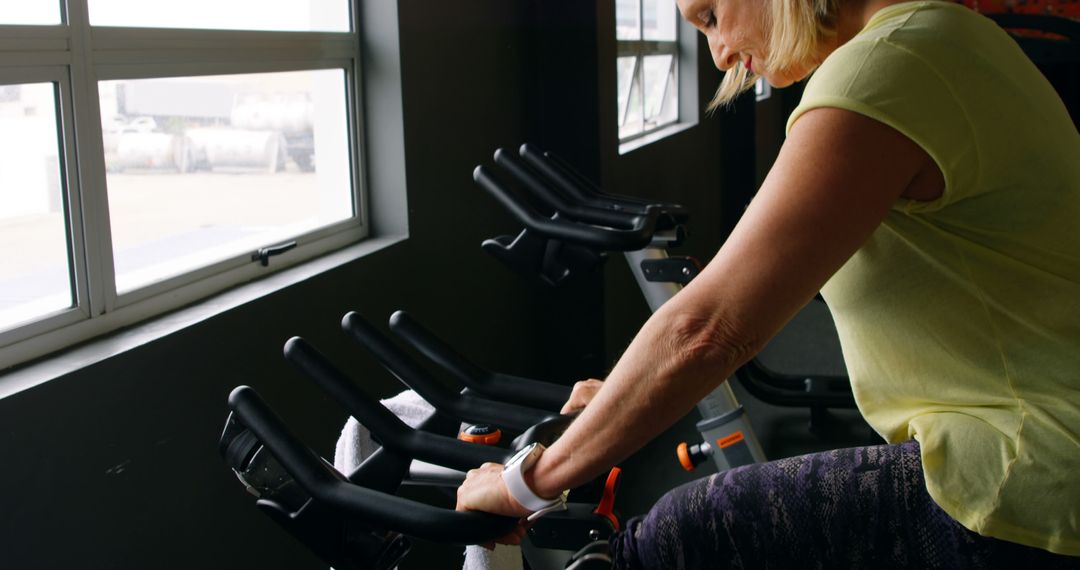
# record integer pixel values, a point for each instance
(658, 20)
(627, 20)
(659, 89)
(35, 269)
(202, 169)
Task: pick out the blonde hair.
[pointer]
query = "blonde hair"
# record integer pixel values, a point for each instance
(797, 28)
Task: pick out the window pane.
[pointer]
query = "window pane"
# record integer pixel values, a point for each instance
(39, 12)
(35, 274)
(630, 116)
(201, 169)
(660, 96)
(659, 20)
(762, 90)
(625, 72)
(628, 19)
(275, 15)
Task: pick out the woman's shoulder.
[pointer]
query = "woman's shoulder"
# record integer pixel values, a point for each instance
(932, 29)
(927, 41)
(931, 15)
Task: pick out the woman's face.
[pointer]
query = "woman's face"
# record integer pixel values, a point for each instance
(736, 30)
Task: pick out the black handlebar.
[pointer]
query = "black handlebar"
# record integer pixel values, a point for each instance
(576, 224)
(569, 181)
(463, 407)
(549, 195)
(795, 390)
(391, 432)
(504, 387)
(328, 486)
(604, 238)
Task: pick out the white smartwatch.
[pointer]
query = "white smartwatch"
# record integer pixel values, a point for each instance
(514, 476)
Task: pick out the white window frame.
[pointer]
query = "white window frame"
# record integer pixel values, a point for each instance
(75, 58)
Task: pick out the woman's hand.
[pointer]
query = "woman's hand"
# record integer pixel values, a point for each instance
(484, 490)
(581, 395)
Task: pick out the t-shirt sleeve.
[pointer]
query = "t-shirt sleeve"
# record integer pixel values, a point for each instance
(892, 85)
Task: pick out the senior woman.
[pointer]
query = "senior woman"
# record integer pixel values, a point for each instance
(929, 186)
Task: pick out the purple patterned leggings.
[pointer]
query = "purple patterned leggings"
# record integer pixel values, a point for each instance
(863, 507)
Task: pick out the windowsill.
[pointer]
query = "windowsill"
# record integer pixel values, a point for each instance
(94, 351)
(654, 136)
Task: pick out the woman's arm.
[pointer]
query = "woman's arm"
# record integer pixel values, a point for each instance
(834, 181)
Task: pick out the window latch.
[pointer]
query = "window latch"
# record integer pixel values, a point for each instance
(263, 254)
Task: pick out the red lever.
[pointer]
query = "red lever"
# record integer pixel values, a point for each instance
(606, 508)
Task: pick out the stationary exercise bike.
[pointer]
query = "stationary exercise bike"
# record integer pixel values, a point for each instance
(355, 520)
(571, 227)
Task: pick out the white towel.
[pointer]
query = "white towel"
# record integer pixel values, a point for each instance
(504, 557)
(355, 444)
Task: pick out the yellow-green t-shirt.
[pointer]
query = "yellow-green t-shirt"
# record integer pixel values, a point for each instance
(960, 317)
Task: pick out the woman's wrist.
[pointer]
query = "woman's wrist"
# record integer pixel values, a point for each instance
(543, 478)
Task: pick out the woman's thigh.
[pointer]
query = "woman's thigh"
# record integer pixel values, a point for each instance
(864, 507)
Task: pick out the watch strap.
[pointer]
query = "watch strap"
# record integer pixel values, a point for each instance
(514, 477)
(558, 505)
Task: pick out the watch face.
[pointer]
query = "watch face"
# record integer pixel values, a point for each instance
(520, 455)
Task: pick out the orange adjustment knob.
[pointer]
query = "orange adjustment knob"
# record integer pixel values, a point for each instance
(690, 456)
(684, 457)
(481, 433)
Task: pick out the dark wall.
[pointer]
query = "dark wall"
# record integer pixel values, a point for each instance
(115, 465)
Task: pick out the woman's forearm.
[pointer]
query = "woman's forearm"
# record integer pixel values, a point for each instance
(674, 361)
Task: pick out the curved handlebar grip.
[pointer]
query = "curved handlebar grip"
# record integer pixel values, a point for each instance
(298, 460)
(504, 387)
(582, 212)
(604, 238)
(796, 391)
(459, 406)
(571, 182)
(393, 433)
(327, 486)
(574, 184)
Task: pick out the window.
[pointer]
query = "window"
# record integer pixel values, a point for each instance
(762, 89)
(153, 156)
(647, 66)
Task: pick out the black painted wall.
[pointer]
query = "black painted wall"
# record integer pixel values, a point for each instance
(115, 465)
